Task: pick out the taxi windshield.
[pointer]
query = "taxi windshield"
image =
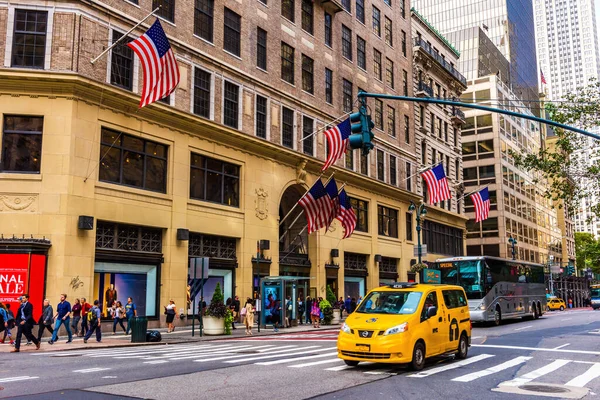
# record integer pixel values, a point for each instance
(388, 302)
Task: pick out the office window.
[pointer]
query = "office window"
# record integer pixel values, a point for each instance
(287, 127)
(364, 164)
(360, 10)
(232, 32)
(121, 63)
(389, 72)
(347, 5)
(347, 95)
(29, 40)
(387, 221)
(361, 209)
(167, 9)
(329, 86)
(403, 35)
(391, 121)
(261, 48)
(393, 171)
(361, 52)
(376, 21)
(380, 165)
(421, 116)
(377, 64)
(456, 170)
(409, 226)
(402, 8)
(406, 129)
(308, 18)
(446, 131)
(287, 63)
(214, 180)
(307, 74)
(404, 82)
(261, 117)
(21, 143)
(132, 161)
(328, 30)
(231, 99)
(202, 95)
(388, 32)
(203, 19)
(378, 114)
(346, 42)
(288, 9)
(432, 123)
(350, 160)
(408, 177)
(307, 130)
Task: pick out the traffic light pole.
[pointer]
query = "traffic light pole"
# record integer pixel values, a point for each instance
(364, 95)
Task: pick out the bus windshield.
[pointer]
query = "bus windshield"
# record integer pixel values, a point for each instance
(595, 292)
(464, 273)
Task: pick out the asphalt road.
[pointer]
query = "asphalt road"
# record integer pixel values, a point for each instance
(557, 356)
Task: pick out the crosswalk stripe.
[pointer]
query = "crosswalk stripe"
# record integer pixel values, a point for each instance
(17, 378)
(133, 353)
(310, 364)
(454, 365)
(192, 353)
(340, 368)
(156, 362)
(87, 371)
(379, 372)
(287, 360)
(536, 374)
(125, 355)
(492, 370)
(212, 353)
(276, 353)
(580, 381)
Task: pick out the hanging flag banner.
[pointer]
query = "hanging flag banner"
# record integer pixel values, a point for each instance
(337, 140)
(317, 207)
(481, 200)
(437, 184)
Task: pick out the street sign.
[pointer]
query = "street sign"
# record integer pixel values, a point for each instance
(195, 268)
(423, 250)
(555, 268)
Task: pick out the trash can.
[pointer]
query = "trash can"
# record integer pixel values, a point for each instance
(139, 326)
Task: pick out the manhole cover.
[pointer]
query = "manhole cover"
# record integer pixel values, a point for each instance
(544, 389)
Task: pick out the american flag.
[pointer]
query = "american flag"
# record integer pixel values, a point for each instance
(543, 77)
(337, 139)
(317, 207)
(161, 73)
(437, 184)
(332, 192)
(481, 200)
(346, 215)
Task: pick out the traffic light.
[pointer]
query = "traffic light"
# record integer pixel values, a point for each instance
(570, 270)
(361, 127)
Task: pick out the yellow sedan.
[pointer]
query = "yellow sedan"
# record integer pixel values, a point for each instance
(556, 304)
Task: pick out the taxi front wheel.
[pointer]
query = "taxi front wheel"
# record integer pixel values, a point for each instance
(463, 347)
(418, 359)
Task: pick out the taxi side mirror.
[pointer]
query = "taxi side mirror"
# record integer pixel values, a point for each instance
(431, 311)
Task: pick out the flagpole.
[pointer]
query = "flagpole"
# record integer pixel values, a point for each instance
(290, 227)
(474, 191)
(320, 129)
(125, 35)
(329, 225)
(296, 205)
(420, 170)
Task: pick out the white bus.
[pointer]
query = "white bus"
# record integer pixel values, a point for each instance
(497, 288)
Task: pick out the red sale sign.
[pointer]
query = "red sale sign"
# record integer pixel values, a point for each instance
(20, 274)
(13, 281)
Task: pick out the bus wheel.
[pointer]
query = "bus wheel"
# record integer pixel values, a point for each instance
(539, 311)
(497, 316)
(418, 358)
(351, 363)
(463, 347)
(535, 311)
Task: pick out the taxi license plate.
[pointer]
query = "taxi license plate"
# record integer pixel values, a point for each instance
(363, 347)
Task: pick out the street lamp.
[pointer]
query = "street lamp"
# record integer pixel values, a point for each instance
(421, 212)
(513, 242)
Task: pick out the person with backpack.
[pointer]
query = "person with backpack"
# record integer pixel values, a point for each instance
(8, 324)
(93, 320)
(45, 321)
(130, 313)
(3, 320)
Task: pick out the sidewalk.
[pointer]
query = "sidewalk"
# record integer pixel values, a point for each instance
(181, 335)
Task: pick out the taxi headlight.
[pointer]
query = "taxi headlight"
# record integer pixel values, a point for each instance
(396, 329)
(346, 328)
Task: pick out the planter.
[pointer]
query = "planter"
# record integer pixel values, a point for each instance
(337, 316)
(213, 325)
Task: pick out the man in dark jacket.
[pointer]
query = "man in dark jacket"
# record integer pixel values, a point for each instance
(308, 308)
(25, 323)
(347, 304)
(45, 321)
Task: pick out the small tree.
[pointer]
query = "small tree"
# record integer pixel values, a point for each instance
(330, 296)
(217, 308)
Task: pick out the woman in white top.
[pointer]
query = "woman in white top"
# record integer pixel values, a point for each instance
(170, 312)
(118, 313)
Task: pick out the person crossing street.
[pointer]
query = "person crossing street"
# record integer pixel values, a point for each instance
(45, 321)
(93, 320)
(130, 313)
(25, 323)
(62, 317)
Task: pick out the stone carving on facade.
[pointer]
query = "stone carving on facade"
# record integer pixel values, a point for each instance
(301, 172)
(261, 203)
(18, 202)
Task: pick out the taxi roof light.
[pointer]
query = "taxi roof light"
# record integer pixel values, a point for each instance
(403, 285)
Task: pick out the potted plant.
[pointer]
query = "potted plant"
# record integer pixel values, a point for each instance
(327, 311)
(337, 312)
(215, 314)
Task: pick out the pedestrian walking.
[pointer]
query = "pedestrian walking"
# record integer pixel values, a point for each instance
(130, 313)
(85, 308)
(62, 316)
(276, 315)
(45, 321)
(308, 309)
(287, 323)
(76, 316)
(315, 314)
(248, 315)
(25, 323)
(347, 304)
(352, 305)
(170, 313)
(229, 304)
(300, 308)
(236, 308)
(93, 321)
(118, 314)
(9, 325)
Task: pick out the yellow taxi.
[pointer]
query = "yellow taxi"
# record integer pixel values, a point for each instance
(556, 304)
(407, 323)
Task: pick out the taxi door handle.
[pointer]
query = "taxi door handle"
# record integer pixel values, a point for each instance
(440, 319)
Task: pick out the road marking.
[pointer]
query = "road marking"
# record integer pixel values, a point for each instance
(171, 351)
(87, 371)
(596, 332)
(566, 319)
(454, 365)
(109, 377)
(191, 354)
(476, 337)
(287, 360)
(275, 356)
(580, 381)
(492, 370)
(560, 347)
(340, 368)
(497, 346)
(276, 353)
(316, 363)
(156, 362)
(381, 372)
(17, 378)
(537, 373)
(525, 327)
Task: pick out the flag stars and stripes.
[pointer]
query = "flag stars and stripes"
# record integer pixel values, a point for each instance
(337, 140)
(437, 184)
(481, 201)
(317, 207)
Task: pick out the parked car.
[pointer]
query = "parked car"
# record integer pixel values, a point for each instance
(556, 304)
